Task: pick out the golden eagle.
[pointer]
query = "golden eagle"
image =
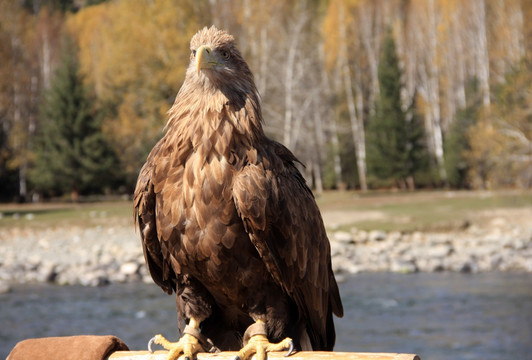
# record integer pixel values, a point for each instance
(227, 221)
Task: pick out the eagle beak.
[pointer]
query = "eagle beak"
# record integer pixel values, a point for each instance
(204, 58)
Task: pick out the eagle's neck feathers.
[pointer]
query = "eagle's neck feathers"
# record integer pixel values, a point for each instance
(206, 117)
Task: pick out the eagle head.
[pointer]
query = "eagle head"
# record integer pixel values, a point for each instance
(216, 62)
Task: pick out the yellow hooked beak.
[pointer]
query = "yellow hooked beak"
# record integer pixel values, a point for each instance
(204, 58)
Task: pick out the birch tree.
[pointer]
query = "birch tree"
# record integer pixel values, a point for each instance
(357, 122)
(423, 23)
(480, 47)
(340, 15)
(505, 29)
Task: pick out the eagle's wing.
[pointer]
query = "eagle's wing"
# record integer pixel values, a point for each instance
(283, 222)
(144, 203)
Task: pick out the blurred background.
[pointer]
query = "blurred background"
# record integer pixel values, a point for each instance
(398, 94)
(376, 97)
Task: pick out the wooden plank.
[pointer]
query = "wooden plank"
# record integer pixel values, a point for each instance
(302, 355)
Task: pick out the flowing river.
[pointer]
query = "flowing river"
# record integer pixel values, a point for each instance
(439, 316)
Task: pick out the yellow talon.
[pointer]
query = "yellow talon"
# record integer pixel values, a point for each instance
(260, 345)
(188, 345)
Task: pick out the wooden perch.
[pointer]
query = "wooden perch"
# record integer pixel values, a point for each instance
(302, 355)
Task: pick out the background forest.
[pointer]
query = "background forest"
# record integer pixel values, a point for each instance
(367, 93)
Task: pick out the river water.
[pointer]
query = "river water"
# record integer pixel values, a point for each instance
(444, 316)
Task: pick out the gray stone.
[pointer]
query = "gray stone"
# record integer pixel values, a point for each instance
(394, 237)
(343, 237)
(403, 267)
(129, 268)
(439, 251)
(94, 278)
(46, 273)
(376, 235)
(359, 236)
(118, 277)
(4, 288)
(430, 265)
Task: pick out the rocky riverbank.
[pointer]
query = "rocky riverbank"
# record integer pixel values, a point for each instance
(472, 250)
(94, 256)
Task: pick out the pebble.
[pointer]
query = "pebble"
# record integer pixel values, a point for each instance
(129, 268)
(343, 237)
(4, 288)
(377, 235)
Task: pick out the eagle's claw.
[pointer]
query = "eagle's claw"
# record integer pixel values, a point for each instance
(150, 343)
(260, 345)
(188, 345)
(290, 349)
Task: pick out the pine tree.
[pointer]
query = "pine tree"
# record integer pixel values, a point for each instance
(418, 159)
(395, 136)
(73, 155)
(387, 137)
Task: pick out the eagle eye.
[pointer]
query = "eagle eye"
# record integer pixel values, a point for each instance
(194, 53)
(225, 54)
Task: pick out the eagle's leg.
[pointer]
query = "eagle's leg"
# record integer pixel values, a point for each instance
(188, 345)
(258, 343)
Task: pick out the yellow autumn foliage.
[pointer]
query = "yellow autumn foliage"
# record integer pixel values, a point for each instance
(501, 141)
(134, 54)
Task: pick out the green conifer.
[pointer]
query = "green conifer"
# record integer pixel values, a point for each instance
(395, 136)
(72, 155)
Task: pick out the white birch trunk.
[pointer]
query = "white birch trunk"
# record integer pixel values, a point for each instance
(288, 96)
(370, 25)
(460, 65)
(481, 47)
(289, 80)
(429, 87)
(336, 154)
(356, 129)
